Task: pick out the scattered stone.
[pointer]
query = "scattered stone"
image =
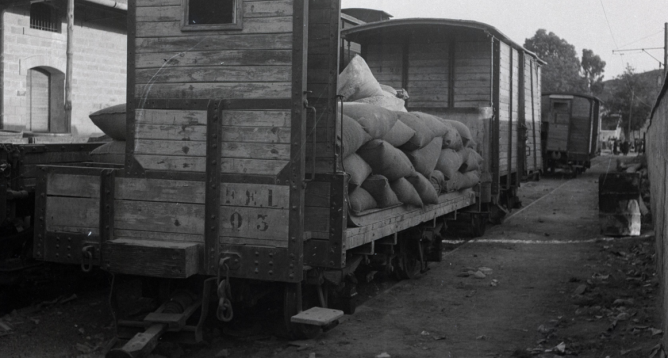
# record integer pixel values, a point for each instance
(656, 332)
(580, 290)
(479, 275)
(311, 355)
(494, 283)
(481, 338)
(561, 347)
(424, 333)
(485, 270)
(223, 353)
(383, 355)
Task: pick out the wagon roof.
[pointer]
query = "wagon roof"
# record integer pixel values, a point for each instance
(355, 33)
(573, 94)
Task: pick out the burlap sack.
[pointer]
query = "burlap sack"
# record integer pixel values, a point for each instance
(462, 181)
(406, 192)
(424, 159)
(358, 170)
(111, 121)
(380, 190)
(388, 89)
(399, 134)
(386, 100)
(357, 82)
(112, 152)
(464, 133)
(452, 139)
(424, 188)
(386, 160)
(376, 121)
(449, 163)
(361, 200)
(353, 135)
(435, 124)
(423, 135)
(471, 160)
(438, 181)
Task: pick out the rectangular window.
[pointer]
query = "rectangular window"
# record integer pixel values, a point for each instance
(44, 17)
(206, 15)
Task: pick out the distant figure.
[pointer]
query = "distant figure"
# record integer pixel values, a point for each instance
(625, 147)
(615, 147)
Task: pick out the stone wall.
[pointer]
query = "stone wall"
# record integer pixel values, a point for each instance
(99, 63)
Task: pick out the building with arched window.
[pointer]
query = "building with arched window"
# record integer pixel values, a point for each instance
(33, 46)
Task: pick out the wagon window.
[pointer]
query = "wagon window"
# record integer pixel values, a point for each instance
(562, 112)
(204, 15)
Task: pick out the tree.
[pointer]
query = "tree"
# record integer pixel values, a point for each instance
(592, 69)
(632, 97)
(562, 72)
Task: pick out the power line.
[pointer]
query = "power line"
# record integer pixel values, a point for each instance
(640, 39)
(608, 22)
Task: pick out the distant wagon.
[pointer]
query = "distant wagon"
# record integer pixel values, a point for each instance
(470, 72)
(570, 127)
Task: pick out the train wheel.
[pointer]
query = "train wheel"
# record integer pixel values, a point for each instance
(406, 262)
(291, 294)
(478, 225)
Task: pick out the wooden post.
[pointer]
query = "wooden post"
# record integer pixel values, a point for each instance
(68, 75)
(665, 48)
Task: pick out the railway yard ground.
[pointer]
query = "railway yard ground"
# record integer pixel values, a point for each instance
(545, 283)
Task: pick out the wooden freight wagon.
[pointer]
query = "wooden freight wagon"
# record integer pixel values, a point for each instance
(570, 127)
(18, 177)
(233, 169)
(470, 72)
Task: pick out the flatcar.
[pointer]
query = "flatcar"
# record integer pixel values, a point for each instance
(233, 182)
(570, 124)
(471, 72)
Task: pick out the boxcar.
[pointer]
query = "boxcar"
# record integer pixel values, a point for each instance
(233, 174)
(570, 124)
(470, 72)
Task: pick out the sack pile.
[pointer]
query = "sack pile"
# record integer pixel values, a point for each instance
(394, 156)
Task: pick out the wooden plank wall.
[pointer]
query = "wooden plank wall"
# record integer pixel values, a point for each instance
(473, 76)
(169, 210)
(44, 154)
(254, 142)
(580, 128)
(322, 74)
(537, 95)
(255, 62)
(252, 63)
(428, 71)
(505, 118)
(386, 62)
(532, 116)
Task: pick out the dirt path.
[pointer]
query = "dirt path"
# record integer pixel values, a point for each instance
(553, 279)
(552, 286)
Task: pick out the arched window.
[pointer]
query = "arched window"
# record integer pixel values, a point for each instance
(45, 17)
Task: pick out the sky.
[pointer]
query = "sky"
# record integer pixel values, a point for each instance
(599, 25)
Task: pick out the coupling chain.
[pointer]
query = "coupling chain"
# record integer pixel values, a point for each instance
(87, 258)
(224, 311)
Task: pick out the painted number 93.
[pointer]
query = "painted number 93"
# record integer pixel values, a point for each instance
(236, 221)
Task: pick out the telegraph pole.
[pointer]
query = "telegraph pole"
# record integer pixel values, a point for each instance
(665, 48)
(70, 54)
